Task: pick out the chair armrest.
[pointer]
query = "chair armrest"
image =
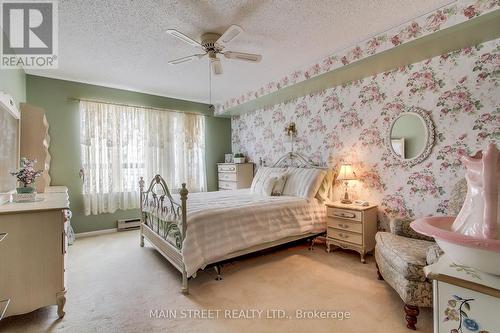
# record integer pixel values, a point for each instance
(433, 254)
(402, 227)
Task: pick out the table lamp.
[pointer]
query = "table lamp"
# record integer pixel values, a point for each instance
(346, 173)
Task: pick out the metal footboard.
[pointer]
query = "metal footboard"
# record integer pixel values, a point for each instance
(164, 222)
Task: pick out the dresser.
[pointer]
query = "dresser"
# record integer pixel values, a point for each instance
(351, 227)
(465, 299)
(33, 252)
(233, 176)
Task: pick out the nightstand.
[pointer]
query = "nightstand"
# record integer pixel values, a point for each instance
(351, 227)
(233, 176)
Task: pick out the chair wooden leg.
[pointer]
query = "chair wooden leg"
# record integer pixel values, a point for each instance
(411, 316)
(379, 276)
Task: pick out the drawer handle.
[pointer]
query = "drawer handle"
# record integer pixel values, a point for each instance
(348, 215)
(345, 226)
(343, 235)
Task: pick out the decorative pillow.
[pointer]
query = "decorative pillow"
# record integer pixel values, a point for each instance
(303, 182)
(261, 176)
(269, 185)
(279, 184)
(325, 191)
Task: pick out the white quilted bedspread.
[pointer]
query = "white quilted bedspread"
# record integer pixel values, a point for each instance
(223, 222)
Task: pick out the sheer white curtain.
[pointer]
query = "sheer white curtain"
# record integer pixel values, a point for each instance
(120, 143)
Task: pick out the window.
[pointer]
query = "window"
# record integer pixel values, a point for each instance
(120, 144)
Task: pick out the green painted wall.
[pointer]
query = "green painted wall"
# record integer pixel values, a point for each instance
(13, 82)
(64, 129)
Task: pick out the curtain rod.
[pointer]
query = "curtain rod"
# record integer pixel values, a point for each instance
(138, 106)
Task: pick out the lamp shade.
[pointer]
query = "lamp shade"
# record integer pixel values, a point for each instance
(346, 172)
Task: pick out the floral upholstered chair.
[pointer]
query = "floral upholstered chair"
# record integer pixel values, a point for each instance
(402, 253)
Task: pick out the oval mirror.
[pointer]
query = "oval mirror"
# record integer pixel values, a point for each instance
(411, 136)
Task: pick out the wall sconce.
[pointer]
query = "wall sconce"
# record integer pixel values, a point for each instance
(291, 129)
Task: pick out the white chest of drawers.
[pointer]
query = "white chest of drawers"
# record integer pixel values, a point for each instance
(233, 176)
(465, 299)
(33, 252)
(351, 227)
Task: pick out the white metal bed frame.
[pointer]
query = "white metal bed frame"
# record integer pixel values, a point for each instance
(164, 203)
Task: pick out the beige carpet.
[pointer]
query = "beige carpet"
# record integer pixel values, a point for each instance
(113, 284)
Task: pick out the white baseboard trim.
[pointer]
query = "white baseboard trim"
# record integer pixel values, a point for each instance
(95, 233)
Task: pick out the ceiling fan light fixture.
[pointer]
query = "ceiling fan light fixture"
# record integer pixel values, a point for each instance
(216, 66)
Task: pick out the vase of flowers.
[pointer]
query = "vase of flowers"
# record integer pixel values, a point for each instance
(26, 176)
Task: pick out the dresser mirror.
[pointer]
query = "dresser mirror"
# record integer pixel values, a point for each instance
(411, 136)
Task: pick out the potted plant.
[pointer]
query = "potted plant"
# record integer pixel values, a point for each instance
(239, 158)
(26, 175)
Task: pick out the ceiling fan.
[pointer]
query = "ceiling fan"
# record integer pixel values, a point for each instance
(213, 44)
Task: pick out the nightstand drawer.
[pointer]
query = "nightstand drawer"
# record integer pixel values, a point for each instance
(346, 225)
(230, 176)
(228, 185)
(226, 168)
(345, 236)
(345, 214)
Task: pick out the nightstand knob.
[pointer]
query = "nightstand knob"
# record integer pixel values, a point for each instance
(345, 226)
(343, 235)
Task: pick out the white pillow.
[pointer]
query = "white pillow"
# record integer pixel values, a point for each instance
(303, 182)
(261, 176)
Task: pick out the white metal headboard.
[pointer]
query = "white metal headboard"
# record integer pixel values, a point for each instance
(294, 159)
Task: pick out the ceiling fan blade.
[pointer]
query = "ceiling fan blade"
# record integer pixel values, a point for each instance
(231, 33)
(185, 59)
(216, 66)
(243, 56)
(184, 38)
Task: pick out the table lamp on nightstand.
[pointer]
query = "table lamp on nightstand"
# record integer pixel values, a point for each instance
(346, 173)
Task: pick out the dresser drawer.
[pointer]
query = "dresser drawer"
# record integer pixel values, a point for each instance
(345, 236)
(353, 215)
(230, 176)
(346, 225)
(226, 168)
(228, 185)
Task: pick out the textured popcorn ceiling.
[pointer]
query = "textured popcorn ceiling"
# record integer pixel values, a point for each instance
(123, 44)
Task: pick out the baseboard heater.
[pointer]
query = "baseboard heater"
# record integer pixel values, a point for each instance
(129, 224)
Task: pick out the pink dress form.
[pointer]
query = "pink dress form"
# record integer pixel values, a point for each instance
(479, 215)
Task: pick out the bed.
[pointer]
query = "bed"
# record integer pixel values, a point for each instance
(193, 231)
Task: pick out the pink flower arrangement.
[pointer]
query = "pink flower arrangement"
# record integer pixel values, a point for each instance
(458, 100)
(423, 80)
(395, 40)
(424, 182)
(435, 20)
(371, 93)
(26, 175)
(470, 12)
(394, 205)
(350, 119)
(370, 136)
(332, 103)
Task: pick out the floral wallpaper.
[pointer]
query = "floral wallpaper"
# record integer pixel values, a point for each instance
(461, 92)
(442, 18)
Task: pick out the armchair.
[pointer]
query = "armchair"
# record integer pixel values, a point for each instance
(401, 255)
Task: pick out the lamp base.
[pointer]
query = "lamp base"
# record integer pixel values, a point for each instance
(346, 199)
